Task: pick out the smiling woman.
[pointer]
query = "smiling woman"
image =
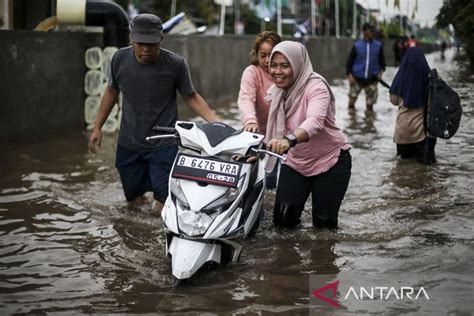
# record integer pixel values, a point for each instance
(281, 71)
(302, 122)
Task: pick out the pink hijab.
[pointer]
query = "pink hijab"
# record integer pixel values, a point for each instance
(285, 102)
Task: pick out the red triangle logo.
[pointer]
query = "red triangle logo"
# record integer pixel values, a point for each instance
(330, 286)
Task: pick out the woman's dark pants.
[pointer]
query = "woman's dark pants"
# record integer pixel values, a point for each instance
(327, 189)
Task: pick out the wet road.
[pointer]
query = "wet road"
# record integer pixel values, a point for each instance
(69, 244)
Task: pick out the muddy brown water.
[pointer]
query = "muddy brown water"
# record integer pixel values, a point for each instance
(69, 244)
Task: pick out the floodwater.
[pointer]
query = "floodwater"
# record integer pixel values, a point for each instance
(69, 244)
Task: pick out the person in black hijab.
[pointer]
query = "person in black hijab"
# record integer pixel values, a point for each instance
(408, 92)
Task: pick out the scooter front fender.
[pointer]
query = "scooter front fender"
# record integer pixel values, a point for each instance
(188, 256)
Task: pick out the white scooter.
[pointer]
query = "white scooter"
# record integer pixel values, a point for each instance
(214, 198)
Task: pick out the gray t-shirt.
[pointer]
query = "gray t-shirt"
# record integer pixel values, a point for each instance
(149, 95)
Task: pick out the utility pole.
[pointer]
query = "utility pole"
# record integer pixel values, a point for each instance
(354, 19)
(222, 20)
(279, 30)
(408, 12)
(336, 13)
(173, 8)
(367, 12)
(237, 25)
(6, 14)
(401, 20)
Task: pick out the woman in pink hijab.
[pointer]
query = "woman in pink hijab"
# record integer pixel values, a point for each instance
(302, 122)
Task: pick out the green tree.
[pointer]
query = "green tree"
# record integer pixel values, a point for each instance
(391, 28)
(248, 17)
(459, 13)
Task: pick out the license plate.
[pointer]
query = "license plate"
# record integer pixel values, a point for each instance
(207, 170)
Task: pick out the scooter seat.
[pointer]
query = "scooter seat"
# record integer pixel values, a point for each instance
(217, 132)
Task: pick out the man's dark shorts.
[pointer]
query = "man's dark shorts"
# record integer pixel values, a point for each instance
(142, 172)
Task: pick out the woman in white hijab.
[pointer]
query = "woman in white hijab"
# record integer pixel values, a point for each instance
(302, 122)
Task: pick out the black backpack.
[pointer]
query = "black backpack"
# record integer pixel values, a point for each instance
(444, 109)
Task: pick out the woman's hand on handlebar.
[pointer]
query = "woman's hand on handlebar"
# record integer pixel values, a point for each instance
(251, 127)
(278, 146)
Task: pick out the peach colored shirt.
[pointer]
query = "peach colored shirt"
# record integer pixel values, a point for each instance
(253, 89)
(315, 115)
(409, 126)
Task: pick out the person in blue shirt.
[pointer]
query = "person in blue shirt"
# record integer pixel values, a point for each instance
(364, 67)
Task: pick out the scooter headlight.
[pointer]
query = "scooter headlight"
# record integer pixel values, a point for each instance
(194, 223)
(177, 193)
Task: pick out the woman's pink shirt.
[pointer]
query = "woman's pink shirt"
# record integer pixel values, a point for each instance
(251, 102)
(315, 115)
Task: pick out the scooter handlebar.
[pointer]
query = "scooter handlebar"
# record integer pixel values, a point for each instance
(264, 151)
(164, 130)
(161, 137)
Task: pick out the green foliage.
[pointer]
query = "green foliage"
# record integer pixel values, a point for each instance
(459, 13)
(431, 35)
(391, 28)
(248, 17)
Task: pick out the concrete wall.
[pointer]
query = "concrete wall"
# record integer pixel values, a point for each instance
(216, 63)
(41, 83)
(42, 74)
